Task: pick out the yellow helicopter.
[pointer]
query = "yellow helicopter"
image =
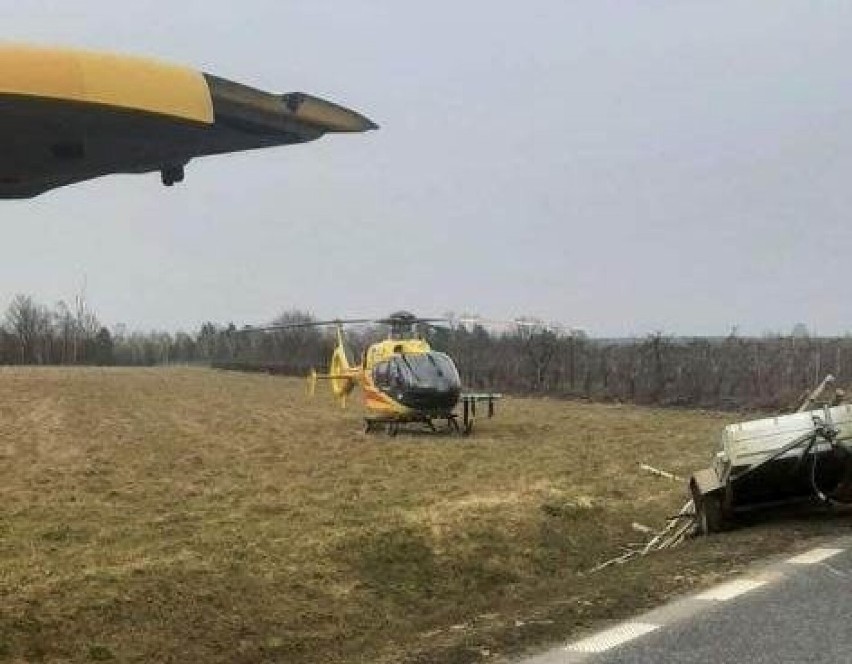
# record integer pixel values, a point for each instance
(402, 379)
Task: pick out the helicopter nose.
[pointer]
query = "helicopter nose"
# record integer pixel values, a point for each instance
(431, 398)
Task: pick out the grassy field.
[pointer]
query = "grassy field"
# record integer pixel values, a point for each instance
(178, 515)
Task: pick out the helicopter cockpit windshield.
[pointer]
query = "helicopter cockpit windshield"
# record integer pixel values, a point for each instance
(421, 371)
(430, 371)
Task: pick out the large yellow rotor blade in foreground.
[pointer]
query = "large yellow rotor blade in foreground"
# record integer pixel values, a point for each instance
(68, 116)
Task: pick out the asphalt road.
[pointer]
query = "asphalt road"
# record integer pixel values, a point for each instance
(795, 611)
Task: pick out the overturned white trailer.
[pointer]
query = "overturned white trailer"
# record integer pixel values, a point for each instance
(774, 460)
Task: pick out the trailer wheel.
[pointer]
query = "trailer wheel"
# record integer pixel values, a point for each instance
(708, 511)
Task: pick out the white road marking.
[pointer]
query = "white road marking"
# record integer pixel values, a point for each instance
(730, 590)
(612, 637)
(814, 556)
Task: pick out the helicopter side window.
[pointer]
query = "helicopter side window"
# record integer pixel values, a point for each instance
(381, 375)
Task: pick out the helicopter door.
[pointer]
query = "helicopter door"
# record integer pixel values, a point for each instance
(392, 375)
(381, 375)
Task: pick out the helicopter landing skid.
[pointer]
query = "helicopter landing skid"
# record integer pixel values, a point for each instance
(392, 425)
(459, 425)
(469, 401)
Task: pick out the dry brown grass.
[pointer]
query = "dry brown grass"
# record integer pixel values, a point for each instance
(187, 515)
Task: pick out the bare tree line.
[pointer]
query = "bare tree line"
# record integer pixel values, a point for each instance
(770, 372)
(728, 372)
(35, 334)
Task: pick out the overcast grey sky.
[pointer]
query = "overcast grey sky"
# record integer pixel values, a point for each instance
(622, 167)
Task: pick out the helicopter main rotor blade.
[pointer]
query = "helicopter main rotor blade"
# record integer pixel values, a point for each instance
(391, 321)
(305, 324)
(531, 324)
(69, 115)
(408, 321)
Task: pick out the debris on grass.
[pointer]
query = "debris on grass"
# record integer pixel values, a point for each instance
(660, 473)
(678, 528)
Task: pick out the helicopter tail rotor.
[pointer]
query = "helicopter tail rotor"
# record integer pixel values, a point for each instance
(340, 374)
